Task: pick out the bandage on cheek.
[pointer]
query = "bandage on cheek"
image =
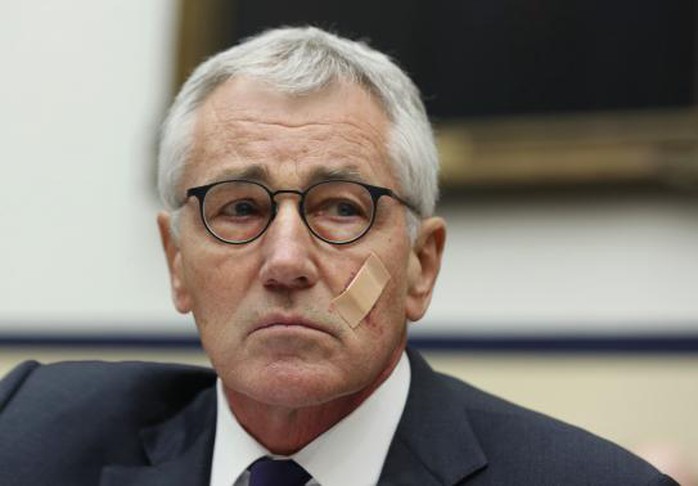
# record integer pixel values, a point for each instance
(363, 291)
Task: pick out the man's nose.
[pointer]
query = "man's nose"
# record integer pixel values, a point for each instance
(287, 248)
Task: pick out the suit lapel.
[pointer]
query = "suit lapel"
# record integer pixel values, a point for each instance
(434, 443)
(179, 450)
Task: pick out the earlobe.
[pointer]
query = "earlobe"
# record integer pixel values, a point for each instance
(424, 266)
(180, 295)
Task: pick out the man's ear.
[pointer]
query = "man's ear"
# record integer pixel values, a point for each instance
(424, 265)
(180, 295)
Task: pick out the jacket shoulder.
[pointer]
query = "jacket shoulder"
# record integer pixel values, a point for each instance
(14, 380)
(90, 383)
(519, 442)
(61, 423)
(516, 445)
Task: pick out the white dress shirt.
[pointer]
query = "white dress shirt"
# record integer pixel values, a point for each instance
(351, 453)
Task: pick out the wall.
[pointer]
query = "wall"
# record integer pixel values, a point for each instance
(595, 264)
(85, 86)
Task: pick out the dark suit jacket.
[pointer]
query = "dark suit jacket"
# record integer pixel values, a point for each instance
(138, 424)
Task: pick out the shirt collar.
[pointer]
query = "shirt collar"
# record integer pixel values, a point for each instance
(351, 452)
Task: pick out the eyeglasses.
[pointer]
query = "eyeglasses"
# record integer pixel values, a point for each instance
(238, 211)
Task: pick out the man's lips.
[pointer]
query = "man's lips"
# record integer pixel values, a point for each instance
(287, 322)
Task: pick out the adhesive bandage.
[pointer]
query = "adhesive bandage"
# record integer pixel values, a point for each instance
(363, 291)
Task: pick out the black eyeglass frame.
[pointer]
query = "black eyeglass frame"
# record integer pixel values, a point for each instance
(376, 193)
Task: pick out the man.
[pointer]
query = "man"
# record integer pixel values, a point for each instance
(299, 172)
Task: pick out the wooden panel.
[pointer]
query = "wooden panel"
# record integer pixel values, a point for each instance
(205, 27)
(656, 146)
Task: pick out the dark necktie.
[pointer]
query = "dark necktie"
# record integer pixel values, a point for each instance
(270, 472)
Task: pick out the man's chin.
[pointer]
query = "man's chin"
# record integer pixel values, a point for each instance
(294, 387)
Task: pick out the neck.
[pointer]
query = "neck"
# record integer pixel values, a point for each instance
(286, 430)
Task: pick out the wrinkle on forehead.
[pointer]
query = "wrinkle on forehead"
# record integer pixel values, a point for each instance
(303, 108)
(324, 127)
(237, 135)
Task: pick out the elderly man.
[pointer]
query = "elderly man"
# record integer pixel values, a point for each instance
(299, 171)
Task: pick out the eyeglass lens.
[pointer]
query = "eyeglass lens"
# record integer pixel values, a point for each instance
(336, 211)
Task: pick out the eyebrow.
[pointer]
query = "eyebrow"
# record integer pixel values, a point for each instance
(254, 172)
(320, 174)
(260, 173)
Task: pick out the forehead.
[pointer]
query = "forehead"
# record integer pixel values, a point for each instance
(247, 124)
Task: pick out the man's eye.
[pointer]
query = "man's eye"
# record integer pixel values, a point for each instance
(240, 209)
(339, 209)
(346, 209)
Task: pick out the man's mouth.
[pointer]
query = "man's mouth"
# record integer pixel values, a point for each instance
(283, 321)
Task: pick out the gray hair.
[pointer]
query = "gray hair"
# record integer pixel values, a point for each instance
(300, 61)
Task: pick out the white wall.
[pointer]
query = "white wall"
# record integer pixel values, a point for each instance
(84, 86)
(608, 264)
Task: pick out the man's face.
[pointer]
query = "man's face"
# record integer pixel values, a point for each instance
(263, 309)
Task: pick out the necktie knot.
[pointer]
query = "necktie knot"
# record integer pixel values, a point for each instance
(271, 472)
